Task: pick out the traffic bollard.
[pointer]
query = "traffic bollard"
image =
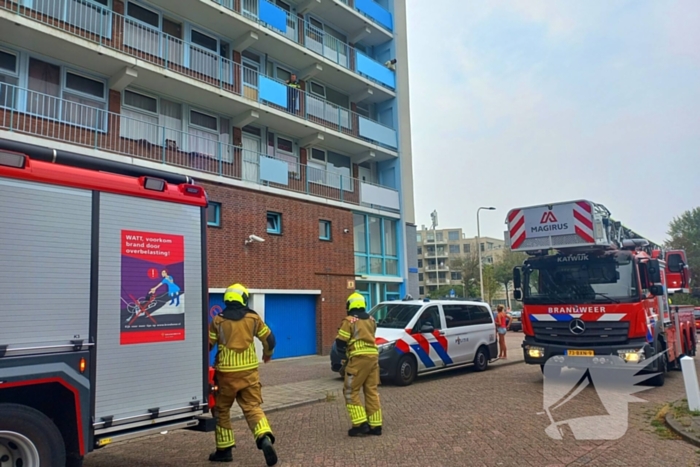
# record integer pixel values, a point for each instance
(690, 378)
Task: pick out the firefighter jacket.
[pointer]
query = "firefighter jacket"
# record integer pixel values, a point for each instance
(234, 332)
(356, 335)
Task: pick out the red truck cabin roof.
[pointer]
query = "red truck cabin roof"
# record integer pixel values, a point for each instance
(19, 166)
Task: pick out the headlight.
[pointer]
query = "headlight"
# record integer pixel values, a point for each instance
(535, 352)
(631, 355)
(386, 347)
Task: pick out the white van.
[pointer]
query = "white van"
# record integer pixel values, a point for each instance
(416, 337)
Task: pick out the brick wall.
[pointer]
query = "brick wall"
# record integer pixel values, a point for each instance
(296, 259)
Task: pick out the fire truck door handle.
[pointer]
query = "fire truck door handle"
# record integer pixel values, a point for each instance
(442, 333)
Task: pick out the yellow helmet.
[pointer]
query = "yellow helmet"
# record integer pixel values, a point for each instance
(236, 293)
(356, 300)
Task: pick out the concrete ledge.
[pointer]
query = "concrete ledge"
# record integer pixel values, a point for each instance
(678, 429)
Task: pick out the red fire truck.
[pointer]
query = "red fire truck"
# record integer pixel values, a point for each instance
(593, 287)
(103, 320)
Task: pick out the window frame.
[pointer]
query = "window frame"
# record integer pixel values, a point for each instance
(327, 237)
(278, 217)
(191, 109)
(23, 82)
(216, 223)
(367, 256)
(312, 160)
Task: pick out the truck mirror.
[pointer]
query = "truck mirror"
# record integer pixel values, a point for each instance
(518, 294)
(654, 270)
(516, 278)
(656, 290)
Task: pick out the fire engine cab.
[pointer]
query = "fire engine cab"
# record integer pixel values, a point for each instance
(593, 287)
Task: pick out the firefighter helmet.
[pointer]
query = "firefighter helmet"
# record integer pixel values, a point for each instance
(236, 293)
(356, 300)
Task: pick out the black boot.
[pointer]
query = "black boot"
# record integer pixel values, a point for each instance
(265, 444)
(375, 430)
(359, 430)
(221, 455)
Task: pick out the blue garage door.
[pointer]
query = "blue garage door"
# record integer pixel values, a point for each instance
(293, 320)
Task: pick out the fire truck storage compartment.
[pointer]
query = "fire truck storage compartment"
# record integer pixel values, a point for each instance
(45, 238)
(135, 378)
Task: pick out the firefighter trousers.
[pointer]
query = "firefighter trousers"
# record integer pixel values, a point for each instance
(243, 387)
(362, 375)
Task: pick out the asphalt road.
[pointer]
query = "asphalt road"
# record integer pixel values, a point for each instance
(462, 417)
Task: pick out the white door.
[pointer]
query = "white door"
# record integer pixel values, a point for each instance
(460, 343)
(251, 157)
(365, 174)
(480, 329)
(428, 346)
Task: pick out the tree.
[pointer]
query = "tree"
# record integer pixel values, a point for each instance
(503, 270)
(468, 266)
(684, 233)
(491, 284)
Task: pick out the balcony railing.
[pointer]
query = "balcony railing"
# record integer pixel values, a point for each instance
(117, 32)
(373, 11)
(311, 37)
(33, 113)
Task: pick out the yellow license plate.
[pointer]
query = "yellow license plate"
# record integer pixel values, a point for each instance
(580, 353)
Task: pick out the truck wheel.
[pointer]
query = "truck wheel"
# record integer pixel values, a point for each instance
(660, 379)
(405, 371)
(29, 438)
(481, 360)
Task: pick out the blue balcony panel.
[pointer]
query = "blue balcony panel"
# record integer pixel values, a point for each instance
(375, 70)
(376, 12)
(377, 132)
(273, 92)
(274, 170)
(273, 15)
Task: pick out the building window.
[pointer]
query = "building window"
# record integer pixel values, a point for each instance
(420, 277)
(456, 276)
(324, 230)
(9, 78)
(420, 263)
(454, 249)
(274, 223)
(330, 169)
(59, 94)
(420, 250)
(375, 245)
(453, 235)
(284, 149)
(214, 214)
(440, 237)
(392, 292)
(421, 290)
(467, 248)
(482, 247)
(419, 238)
(150, 118)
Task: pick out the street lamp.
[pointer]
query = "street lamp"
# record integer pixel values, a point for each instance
(478, 247)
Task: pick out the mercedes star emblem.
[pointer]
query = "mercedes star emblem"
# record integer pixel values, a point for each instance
(577, 326)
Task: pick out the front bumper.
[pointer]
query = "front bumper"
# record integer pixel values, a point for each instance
(389, 363)
(538, 353)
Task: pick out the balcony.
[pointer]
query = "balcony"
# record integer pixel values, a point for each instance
(287, 110)
(32, 113)
(368, 9)
(293, 38)
(432, 267)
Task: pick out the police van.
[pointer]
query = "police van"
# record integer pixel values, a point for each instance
(416, 337)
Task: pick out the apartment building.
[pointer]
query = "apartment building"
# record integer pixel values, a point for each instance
(321, 170)
(437, 249)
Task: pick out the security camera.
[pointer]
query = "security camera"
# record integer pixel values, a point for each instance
(254, 238)
(346, 230)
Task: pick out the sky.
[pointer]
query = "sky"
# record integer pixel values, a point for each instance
(519, 103)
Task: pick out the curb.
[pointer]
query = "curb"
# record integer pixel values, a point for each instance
(292, 405)
(677, 429)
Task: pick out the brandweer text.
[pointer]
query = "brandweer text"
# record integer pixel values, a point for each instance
(574, 309)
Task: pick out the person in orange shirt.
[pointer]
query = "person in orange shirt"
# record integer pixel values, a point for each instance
(501, 327)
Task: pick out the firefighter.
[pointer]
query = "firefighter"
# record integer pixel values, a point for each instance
(234, 331)
(356, 340)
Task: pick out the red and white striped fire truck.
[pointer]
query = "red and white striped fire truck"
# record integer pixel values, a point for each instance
(593, 287)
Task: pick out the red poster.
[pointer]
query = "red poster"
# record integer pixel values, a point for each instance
(152, 287)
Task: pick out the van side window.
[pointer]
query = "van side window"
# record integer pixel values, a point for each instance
(674, 263)
(480, 315)
(456, 315)
(429, 316)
